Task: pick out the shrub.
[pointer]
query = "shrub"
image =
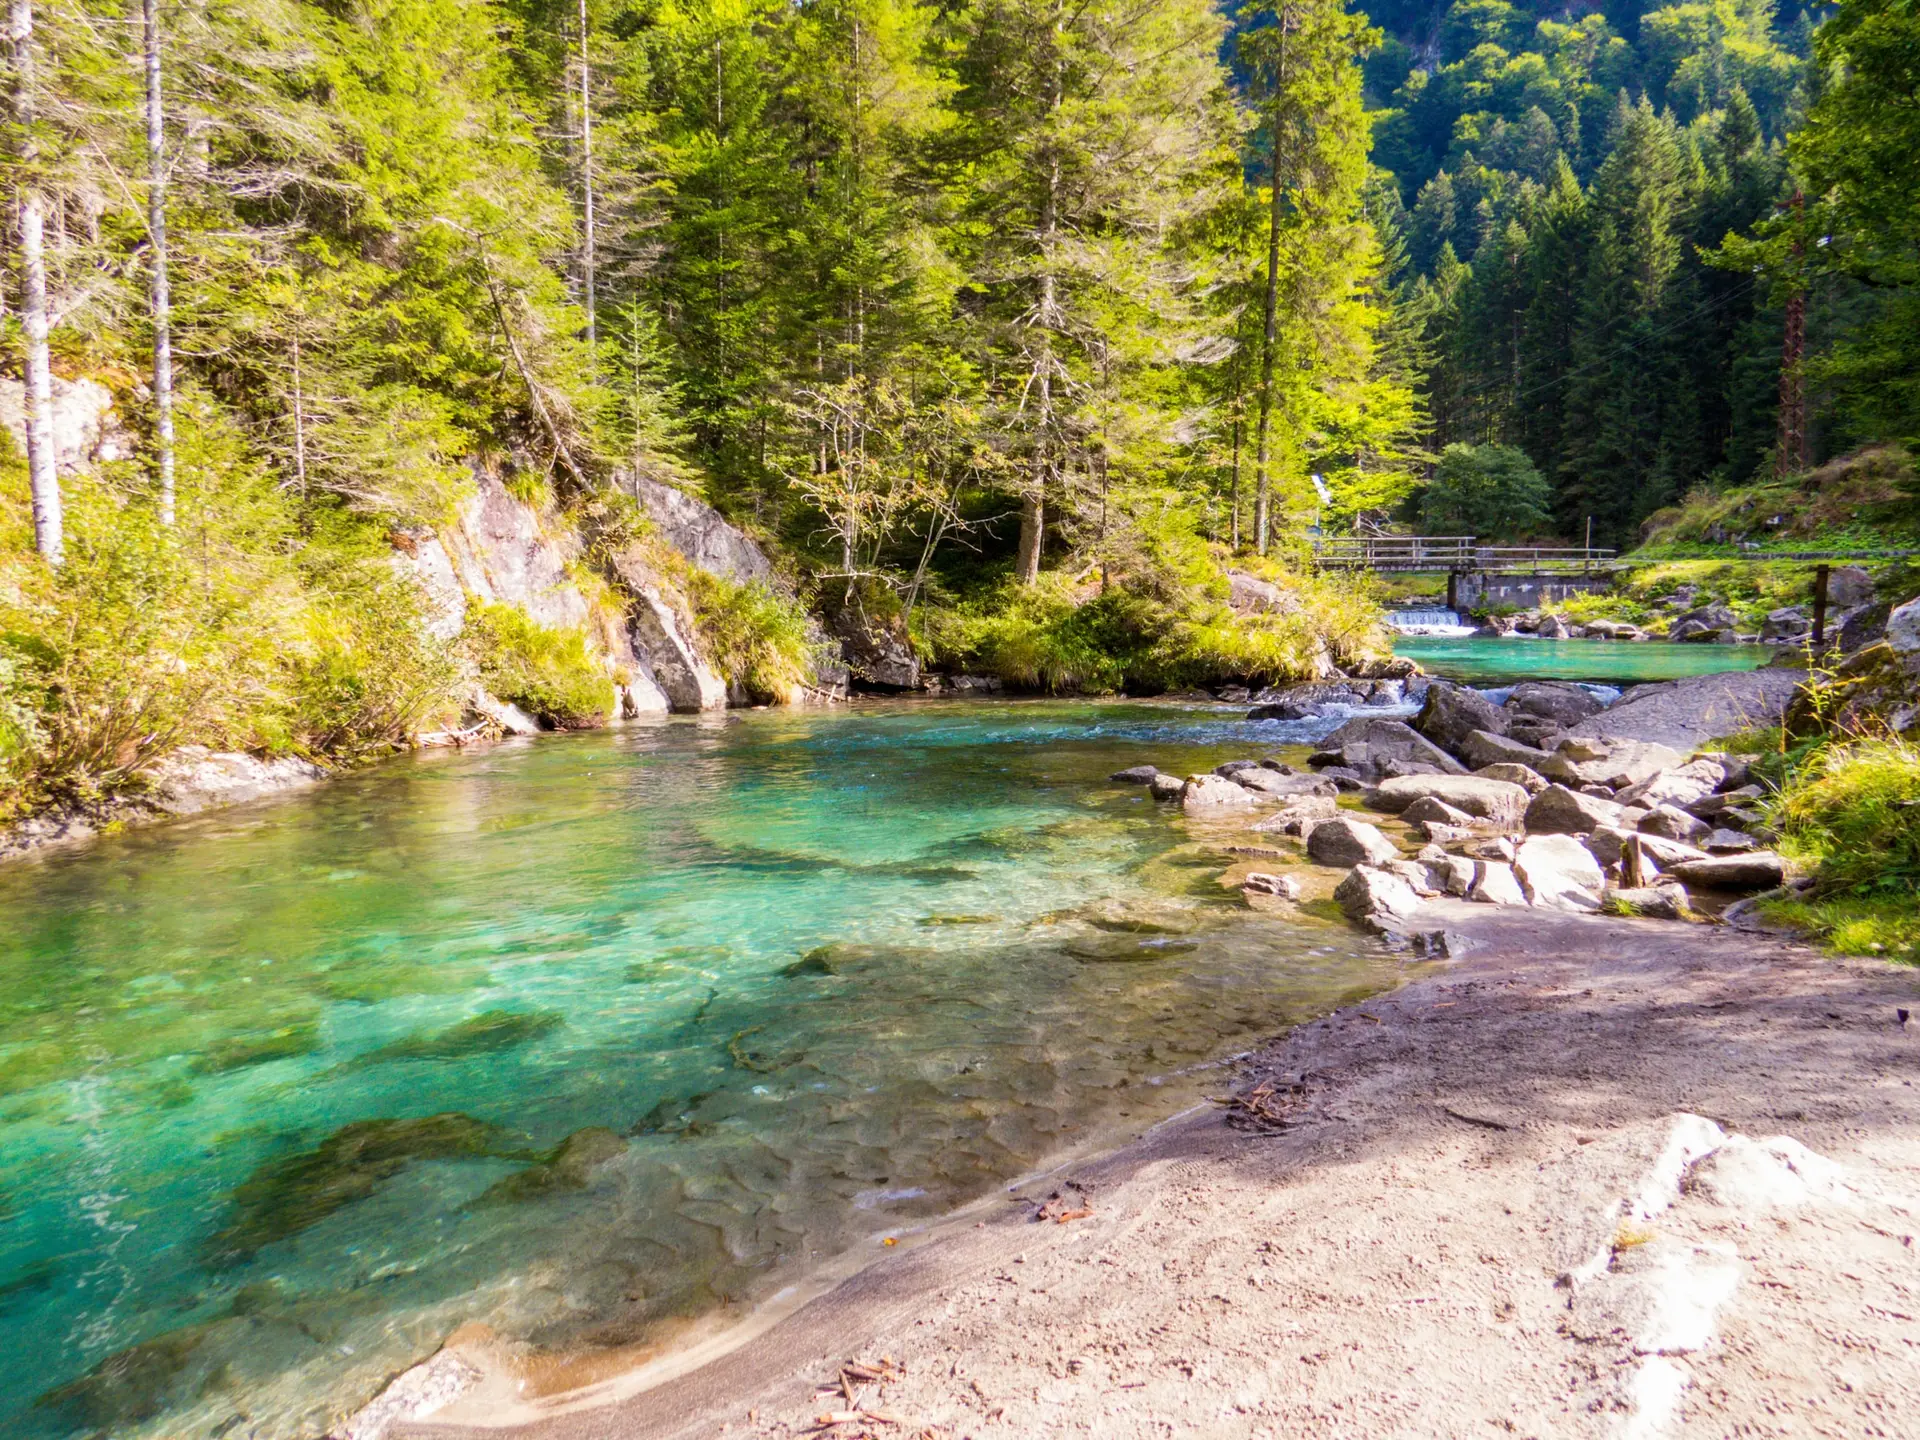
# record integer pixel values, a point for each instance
(1854, 807)
(546, 670)
(756, 638)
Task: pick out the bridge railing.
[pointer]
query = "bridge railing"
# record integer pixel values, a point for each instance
(1455, 552)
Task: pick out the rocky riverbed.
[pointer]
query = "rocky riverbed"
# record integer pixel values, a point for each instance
(1545, 795)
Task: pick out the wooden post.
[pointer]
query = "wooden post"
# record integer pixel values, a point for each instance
(1821, 574)
(1453, 590)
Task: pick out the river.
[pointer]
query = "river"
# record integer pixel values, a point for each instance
(588, 1037)
(286, 1093)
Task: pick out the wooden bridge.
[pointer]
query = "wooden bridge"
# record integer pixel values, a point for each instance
(1457, 554)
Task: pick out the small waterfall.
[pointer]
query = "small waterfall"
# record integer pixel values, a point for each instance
(1428, 622)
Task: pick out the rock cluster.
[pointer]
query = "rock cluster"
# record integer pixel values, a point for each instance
(1513, 805)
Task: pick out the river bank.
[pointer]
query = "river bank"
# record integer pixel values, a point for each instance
(1461, 1216)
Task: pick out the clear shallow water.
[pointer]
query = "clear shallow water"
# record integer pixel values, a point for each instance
(584, 1036)
(1484, 658)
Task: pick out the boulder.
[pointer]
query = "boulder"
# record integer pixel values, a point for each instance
(1557, 872)
(1707, 620)
(1728, 842)
(1366, 742)
(1849, 587)
(1495, 801)
(1210, 792)
(1584, 760)
(1271, 782)
(1686, 714)
(1681, 786)
(1453, 712)
(1556, 700)
(1234, 767)
(1299, 815)
(1671, 823)
(1370, 893)
(1166, 787)
(1416, 876)
(1655, 902)
(1430, 809)
(1483, 748)
(1343, 840)
(1789, 622)
(1250, 595)
(1498, 848)
(1710, 805)
(1557, 810)
(1536, 730)
(1442, 834)
(1494, 884)
(1552, 627)
(1608, 845)
(1261, 883)
(1528, 779)
(1134, 775)
(1903, 629)
(1450, 874)
(1757, 870)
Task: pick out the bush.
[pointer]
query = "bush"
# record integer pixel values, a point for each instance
(546, 670)
(1853, 806)
(1049, 637)
(254, 623)
(756, 639)
(1489, 491)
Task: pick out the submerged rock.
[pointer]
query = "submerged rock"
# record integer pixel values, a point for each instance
(481, 1034)
(1135, 775)
(288, 1195)
(568, 1167)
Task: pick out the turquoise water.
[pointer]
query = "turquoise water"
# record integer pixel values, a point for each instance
(1480, 658)
(585, 1036)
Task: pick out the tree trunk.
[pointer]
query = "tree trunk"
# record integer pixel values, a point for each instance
(1033, 506)
(157, 238)
(588, 260)
(48, 536)
(1262, 492)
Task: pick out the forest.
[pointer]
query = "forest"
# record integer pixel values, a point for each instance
(1011, 325)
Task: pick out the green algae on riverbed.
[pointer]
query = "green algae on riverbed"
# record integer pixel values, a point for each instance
(288, 1093)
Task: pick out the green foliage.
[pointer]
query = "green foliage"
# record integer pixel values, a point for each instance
(1489, 491)
(252, 624)
(758, 640)
(546, 670)
(1055, 637)
(1853, 806)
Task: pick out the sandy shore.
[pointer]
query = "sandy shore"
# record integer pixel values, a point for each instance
(1520, 1197)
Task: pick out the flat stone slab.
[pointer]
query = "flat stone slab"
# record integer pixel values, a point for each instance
(1498, 801)
(1686, 714)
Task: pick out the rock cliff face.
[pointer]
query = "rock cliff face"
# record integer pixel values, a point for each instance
(701, 533)
(85, 428)
(501, 550)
